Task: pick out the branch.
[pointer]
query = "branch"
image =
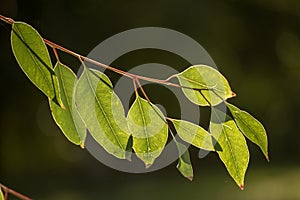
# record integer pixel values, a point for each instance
(7, 191)
(134, 77)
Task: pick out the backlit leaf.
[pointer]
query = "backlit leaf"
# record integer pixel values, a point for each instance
(234, 154)
(193, 134)
(33, 57)
(204, 85)
(149, 130)
(67, 118)
(184, 165)
(250, 127)
(1, 194)
(102, 112)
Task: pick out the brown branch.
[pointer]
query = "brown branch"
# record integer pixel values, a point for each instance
(10, 191)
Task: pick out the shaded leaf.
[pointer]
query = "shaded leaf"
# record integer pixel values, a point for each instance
(67, 118)
(33, 57)
(193, 134)
(184, 165)
(149, 130)
(209, 87)
(102, 112)
(250, 127)
(234, 154)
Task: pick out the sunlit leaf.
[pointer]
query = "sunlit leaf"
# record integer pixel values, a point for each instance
(250, 127)
(234, 154)
(184, 165)
(149, 130)
(33, 57)
(204, 85)
(102, 112)
(67, 118)
(1, 195)
(193, 134)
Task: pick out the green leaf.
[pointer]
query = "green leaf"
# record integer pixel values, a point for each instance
(149, 130)
(33, 57)
(67, 118)
(193, 134)
(250, 127)
(234, 154)
(1, 194)
(184, 165)
(102, 112)
(204, 85)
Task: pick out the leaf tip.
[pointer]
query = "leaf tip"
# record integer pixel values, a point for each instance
(233, 94)
(148, 165)
(190, 178)
(242, 187)
(82, 145)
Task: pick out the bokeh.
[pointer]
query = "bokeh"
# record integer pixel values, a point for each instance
(255, 44)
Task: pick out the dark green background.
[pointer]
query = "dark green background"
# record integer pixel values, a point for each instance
(255, 44)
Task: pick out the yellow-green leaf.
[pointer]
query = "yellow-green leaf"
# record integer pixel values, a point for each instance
(234, 153)
(193, 134)
(184, 165)
(204, 85)
(67, 118)
(102, 112)
(149, 130)
(1, 194)
(250, 127)
(32, 55)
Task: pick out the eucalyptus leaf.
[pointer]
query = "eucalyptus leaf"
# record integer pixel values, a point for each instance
(67, 118)
(193, 134)
(234, 154)
(204, 85)
(148, 128)
(184, 165)
(102, 112)
(250, 127)
(32, 55)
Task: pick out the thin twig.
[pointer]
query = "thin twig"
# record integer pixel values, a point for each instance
(10, 191)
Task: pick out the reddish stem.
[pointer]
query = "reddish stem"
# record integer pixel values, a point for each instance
(16, 194)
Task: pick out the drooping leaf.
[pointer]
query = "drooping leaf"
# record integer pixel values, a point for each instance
(250, 127)
(204, 85)
(193, 134)
(149, 130)
(184, 165)
(102, 112)
(234, 154)
(32, 55)
(67, 118)
(1, 194)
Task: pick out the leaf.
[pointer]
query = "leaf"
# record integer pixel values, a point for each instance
(234, 154)
(204, 85)
(67, 118)
(102, 112)
(250, 127)
(184, 165)
(32, 55)
(149, 130)
(193, 134)
(1, 194)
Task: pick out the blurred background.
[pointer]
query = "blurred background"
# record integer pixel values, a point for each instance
(255, 44)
